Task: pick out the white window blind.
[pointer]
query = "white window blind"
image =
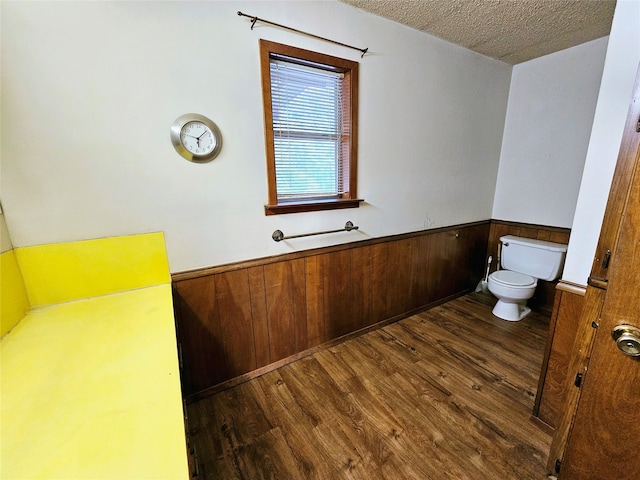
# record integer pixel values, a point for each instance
(308, 127)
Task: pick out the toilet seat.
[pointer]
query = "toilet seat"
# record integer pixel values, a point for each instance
(511, 279)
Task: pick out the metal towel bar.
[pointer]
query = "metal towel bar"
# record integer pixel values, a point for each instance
(279, 236)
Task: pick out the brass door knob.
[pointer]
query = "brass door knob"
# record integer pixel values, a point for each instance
(627, 338)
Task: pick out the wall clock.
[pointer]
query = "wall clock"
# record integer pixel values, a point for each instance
(196, 138)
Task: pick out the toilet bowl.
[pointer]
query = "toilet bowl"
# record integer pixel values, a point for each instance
(512, 289)
(524, 262)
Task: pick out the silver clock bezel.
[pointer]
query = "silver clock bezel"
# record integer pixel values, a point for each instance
(176, 129)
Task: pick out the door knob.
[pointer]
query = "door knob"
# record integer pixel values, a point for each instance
(627, 338)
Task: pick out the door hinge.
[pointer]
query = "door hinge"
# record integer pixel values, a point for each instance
(605, 260)
(578, 381)
(558, 465)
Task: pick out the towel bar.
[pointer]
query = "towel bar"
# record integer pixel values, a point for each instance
(279, 236)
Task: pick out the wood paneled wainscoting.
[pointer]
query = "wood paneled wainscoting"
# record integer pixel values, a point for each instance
(563, 328)
(241, 320)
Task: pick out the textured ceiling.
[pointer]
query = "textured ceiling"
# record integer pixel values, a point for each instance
(512, 31)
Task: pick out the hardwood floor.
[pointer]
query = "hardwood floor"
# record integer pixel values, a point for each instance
(445, 394)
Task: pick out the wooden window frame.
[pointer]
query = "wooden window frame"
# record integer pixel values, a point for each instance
(350, 70)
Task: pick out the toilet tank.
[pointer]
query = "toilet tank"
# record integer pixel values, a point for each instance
(538, 258)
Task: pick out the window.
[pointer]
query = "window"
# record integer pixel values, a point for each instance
(310, 109)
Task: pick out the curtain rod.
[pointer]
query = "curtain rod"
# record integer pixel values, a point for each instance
(255, 19)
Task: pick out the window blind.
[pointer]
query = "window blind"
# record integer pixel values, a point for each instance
(308, 127)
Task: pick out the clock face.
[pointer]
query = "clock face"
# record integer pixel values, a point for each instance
(197, 138)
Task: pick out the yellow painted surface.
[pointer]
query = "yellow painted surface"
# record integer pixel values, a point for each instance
(90, 390)
(13, 295)
(63, 272)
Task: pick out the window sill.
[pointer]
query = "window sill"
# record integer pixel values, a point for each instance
(311, 206)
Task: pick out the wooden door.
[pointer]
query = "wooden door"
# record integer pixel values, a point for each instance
(604, 438)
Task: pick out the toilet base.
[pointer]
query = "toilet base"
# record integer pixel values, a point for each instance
(511, 311)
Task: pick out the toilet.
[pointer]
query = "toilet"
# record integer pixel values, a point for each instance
(524, 262)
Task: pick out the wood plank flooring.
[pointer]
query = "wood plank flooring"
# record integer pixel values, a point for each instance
(445, 394)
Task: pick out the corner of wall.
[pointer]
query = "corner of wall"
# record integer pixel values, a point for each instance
(5, 238)
(14, 302)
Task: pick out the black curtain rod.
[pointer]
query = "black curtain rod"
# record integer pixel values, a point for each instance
(255, 19)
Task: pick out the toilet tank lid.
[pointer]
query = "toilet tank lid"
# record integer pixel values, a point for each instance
(533, 242)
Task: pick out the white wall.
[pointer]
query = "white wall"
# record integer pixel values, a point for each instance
(89, 90)
(552, 101)
(621, 64)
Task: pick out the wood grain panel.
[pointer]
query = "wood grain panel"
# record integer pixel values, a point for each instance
(314, 274)
(559, 237)
(562, 331)
(442, 263)
(398, 277)
(338, 297)
(528, 232)
(499, 229)
(544, 235)
(564, 335)
(470, 245)
(299, 299)
(578, 363)
(259, 315)
(280, 309)
(236, 323)
(360, 287)
(199, 334)
(420, 272)
(379, 282)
